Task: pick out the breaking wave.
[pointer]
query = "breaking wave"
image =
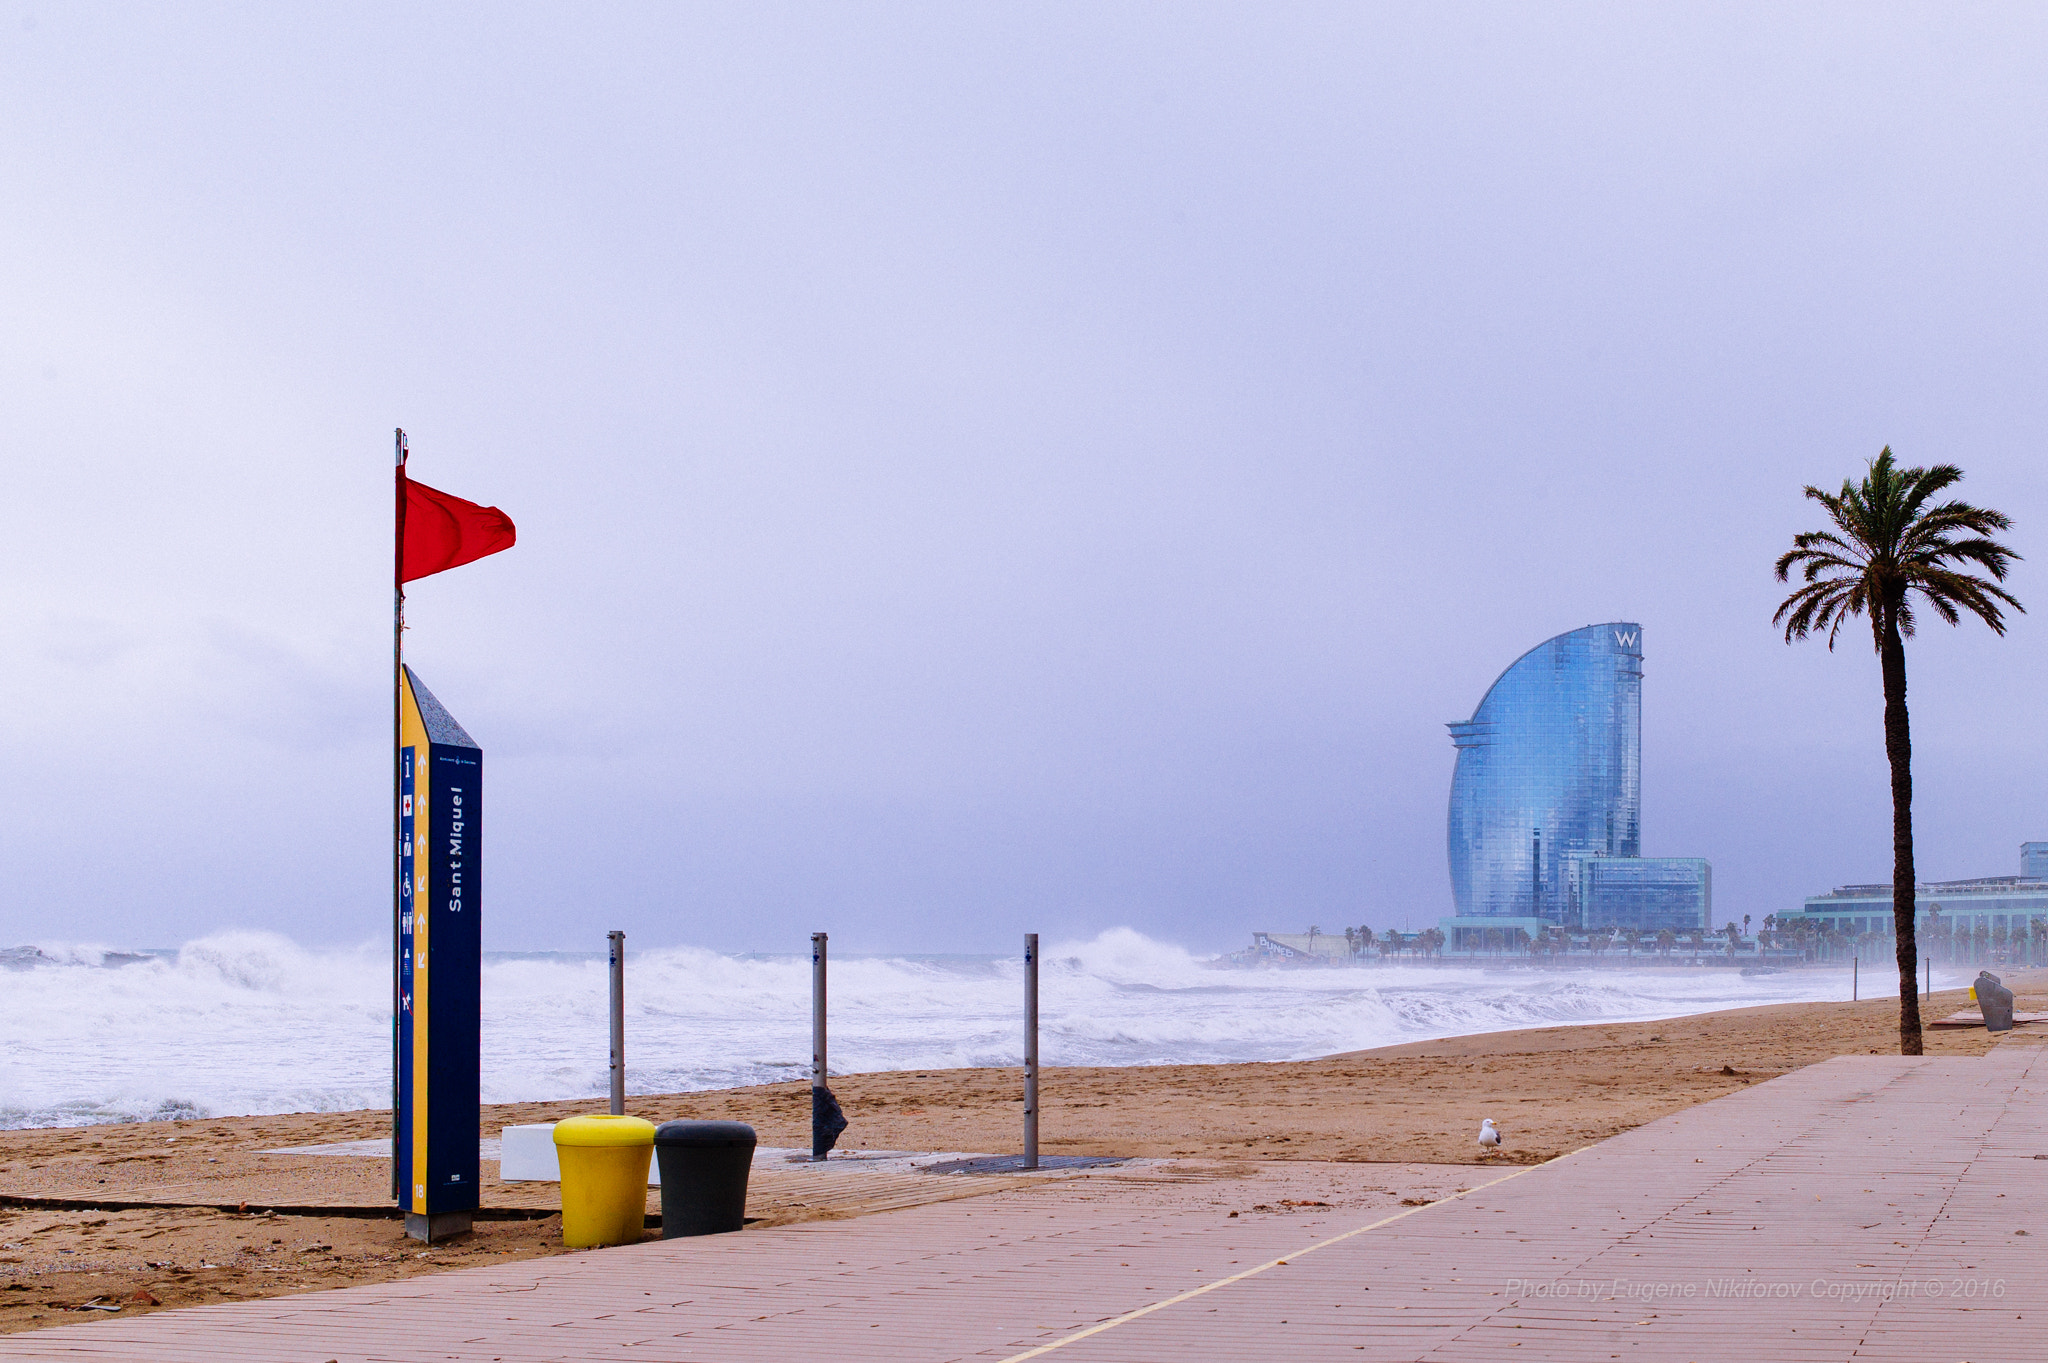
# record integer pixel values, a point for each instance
(252, 1022)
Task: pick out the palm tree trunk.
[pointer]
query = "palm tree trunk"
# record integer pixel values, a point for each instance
(1898, 746)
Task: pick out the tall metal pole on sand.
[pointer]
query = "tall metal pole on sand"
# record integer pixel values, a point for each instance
(818, 1085)
(397, 858)
(1030, 1050)
(617, 941)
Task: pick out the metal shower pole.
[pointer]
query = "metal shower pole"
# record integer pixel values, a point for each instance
(618, 950)
(1030, 1050)
(818, 1084)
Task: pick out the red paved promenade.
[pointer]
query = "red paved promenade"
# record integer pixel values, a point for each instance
(1868, 1207)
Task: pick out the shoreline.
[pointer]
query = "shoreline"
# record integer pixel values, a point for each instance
(2022, 979)
(1481, 997)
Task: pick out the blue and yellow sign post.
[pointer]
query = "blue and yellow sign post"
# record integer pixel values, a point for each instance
(440, 959)
(437, 805)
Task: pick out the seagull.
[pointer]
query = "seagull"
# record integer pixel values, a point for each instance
(1489, 1135)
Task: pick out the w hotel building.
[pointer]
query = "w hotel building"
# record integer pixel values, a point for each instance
(1545, 826)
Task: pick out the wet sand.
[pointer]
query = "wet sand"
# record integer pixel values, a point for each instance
(1391, 1123)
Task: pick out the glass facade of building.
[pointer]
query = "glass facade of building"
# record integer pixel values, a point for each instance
(1989, 902)
(1549, 774)
(1646, 893)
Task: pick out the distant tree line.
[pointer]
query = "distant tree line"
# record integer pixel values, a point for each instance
(1941, 939)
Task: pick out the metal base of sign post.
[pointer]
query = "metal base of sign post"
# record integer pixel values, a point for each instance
(430, 1227)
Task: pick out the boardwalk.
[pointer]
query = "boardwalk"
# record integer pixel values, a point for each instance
(1871, 1207)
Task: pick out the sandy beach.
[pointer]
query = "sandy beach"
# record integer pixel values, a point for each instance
(1358, 1129)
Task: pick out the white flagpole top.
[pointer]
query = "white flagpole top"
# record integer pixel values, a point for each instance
(402, 448)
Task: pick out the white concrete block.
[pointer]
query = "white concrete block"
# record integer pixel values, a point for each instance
(527, 1154)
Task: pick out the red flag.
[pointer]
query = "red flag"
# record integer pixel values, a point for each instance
(438, 531)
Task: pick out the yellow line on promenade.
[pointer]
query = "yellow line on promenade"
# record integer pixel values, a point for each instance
(1192, 1293)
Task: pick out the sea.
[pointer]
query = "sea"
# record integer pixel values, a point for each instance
(252, 1022)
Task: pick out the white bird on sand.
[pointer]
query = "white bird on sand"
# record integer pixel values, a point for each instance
(1489, 1134)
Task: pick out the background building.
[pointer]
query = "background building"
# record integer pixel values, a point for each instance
(1988, 909)
(1546, 799)
(1645, 893)
(1306, 946)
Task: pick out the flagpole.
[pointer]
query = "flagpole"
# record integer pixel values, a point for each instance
(397, 733)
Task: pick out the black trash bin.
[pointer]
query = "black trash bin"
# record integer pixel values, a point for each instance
(1994, 1000)
(703, 1176)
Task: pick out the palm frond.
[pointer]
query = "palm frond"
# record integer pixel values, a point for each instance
(1894, 542)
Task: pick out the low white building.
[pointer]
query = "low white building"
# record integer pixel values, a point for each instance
(1307, 946)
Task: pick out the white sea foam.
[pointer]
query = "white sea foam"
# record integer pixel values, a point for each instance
(247, 1022)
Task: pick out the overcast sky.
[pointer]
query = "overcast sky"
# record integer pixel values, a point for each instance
(983, 468)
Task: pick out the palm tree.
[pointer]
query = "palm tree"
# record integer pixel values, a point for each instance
(1891, 541)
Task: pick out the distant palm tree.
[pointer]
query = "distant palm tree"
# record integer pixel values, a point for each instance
(1890, 541)
(1666, 939)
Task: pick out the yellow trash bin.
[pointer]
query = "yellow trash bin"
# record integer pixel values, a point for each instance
(604, 1179)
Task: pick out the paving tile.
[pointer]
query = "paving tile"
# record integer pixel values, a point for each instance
(1861, 1208)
